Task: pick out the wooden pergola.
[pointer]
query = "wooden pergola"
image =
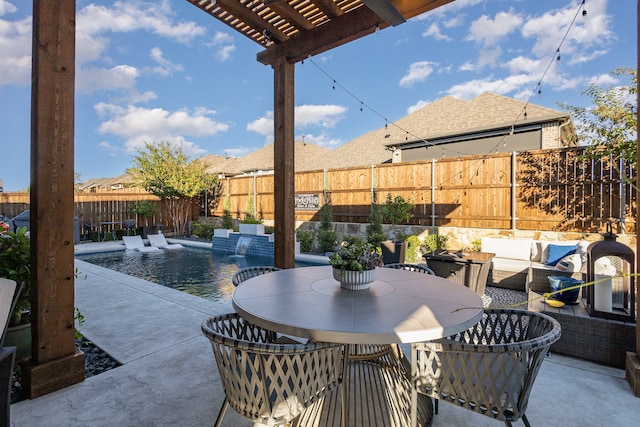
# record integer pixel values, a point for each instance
(289, 31)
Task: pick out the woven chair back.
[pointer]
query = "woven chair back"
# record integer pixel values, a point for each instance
(265, 382)
(411, 267)
(490, 368)
(249, 272)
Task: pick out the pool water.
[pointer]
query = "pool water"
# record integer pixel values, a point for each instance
(200, 272)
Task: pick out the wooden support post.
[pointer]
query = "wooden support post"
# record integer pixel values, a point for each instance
(284, 164)
(54, 362)
(633, 359)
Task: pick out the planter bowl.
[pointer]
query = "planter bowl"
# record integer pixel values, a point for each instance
(355, 280)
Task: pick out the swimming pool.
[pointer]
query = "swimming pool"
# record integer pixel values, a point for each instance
(200, 272)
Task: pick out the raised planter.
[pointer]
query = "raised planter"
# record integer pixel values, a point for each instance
(251, 228)
(222, 232)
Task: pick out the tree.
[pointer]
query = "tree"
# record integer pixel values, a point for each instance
(165, 171)
(608, 128)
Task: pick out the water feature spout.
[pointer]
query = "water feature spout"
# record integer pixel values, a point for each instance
(243, 245)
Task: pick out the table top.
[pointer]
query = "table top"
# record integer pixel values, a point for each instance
(400, 307)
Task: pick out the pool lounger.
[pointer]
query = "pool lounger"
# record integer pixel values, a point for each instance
(135, 243)
(158, 241)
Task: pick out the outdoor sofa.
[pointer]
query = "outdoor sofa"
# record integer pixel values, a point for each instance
(526, 264)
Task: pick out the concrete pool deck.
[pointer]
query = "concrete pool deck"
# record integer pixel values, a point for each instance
(169, 378)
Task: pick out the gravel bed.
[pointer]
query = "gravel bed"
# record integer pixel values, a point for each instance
(96, 361)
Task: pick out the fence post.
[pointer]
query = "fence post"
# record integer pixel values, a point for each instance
(623, 197)
(513, 190)
(433, 192)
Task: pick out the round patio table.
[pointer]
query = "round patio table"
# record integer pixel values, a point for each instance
(400, 307)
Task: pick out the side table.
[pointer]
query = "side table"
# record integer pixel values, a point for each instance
(469, 268)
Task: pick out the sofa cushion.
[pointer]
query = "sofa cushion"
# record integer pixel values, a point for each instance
(518, 249)
(544, 247)
(557, 252)
(570, 263)
(511, 265)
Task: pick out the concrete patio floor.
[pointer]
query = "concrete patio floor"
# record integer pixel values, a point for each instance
(169, 378)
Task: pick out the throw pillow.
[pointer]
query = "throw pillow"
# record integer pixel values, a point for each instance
(557, 252)
(570, 263)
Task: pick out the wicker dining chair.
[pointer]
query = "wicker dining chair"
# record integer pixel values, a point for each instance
(249, 272)
(489, 368)
(411, 267)
(270, 383)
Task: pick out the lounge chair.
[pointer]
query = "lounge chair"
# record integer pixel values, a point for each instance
(135, 243)
(159, 241)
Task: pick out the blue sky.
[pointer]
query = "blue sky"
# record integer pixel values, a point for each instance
(163, 70)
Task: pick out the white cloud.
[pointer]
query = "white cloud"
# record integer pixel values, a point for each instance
(503, 86)
(111, 150)
(139, 125)
(418, 72)
(489, 32)
(165, 67)
(418, 105)
(434, 31)
(587, 32)
(468, 66)
(129, 16)
(89, 80)
(93, 22)
(603, 80)
(323, 116)
(15, 48)
(263, 125)
(7, 8)
(225, 45)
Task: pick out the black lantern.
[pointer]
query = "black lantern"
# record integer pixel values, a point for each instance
(612, 266)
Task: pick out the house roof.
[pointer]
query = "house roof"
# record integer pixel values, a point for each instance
(444, 117)
(306, 158)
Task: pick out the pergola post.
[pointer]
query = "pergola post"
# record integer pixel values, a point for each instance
(54, 361)
(633, 360)
(284, 163)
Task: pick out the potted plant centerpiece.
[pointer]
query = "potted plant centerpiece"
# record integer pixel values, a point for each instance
(15, 264)
(397, 210)
(354, 264)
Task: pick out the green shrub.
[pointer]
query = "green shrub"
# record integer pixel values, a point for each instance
(204, 231)
(413, 253)
(433, 242)
(269, 229)
(306, 238)
(327, 236)
(327, 240)
(375, 235)
(227, 222)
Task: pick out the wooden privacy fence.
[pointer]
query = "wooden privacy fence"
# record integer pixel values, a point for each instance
(546, 190)
(99, 206)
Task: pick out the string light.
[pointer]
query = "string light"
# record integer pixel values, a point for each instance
(556, 58)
